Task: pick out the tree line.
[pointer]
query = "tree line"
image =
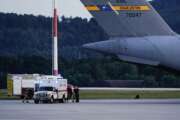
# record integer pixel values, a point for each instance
(89, 72)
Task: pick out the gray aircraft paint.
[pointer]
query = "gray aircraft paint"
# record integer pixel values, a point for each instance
(151, 50)
(120, 25)
(146, 39)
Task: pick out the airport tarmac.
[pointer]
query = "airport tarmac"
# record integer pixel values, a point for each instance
(92, 110)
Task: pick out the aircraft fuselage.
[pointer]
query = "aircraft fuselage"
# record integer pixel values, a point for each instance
(151, 50)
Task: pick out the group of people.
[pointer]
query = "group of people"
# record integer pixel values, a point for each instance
(73, 93)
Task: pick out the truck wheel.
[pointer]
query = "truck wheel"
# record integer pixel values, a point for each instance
(36, 101)
(52, 100)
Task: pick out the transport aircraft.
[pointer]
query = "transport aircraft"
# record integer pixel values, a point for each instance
(138, 34)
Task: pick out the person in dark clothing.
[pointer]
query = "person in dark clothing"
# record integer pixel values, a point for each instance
(70, 92)
(76, 93)
(30, 94)
(25, 97)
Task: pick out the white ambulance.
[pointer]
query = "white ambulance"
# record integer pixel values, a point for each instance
(49, 89)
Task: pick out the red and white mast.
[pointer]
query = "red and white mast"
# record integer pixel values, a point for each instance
(55, 40)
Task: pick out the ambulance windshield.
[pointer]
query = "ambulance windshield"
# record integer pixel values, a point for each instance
(46, 89)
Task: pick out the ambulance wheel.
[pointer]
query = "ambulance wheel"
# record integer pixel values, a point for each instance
(36, 101)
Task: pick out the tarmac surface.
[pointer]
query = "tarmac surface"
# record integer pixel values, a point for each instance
(92, 110)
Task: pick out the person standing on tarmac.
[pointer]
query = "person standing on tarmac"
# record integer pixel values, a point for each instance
(70, 92)
(28, 94)
(76, 94)
(25, 97)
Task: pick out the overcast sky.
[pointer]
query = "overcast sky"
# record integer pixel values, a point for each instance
(44, 7)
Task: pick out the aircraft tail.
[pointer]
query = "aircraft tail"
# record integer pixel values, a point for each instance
(128, 18)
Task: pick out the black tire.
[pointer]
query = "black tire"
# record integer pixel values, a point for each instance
(36, 101)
